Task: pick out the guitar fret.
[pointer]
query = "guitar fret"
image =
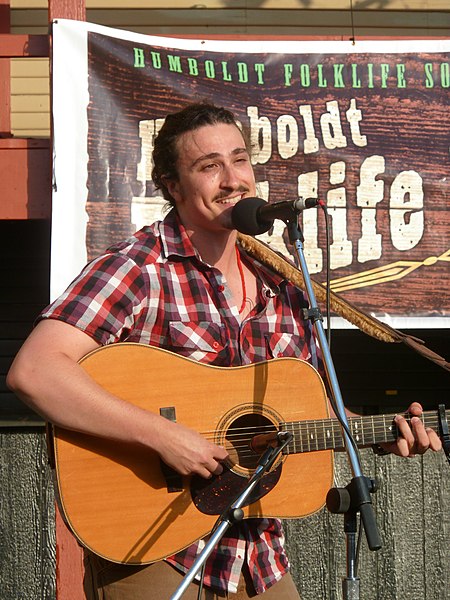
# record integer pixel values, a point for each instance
(300, 435)
(303, 438)
(385, 430)
(389, 431)
(330, 436)
(294, 440)
(355, 430)
(333, 426)
(314, 435)
(326, 434)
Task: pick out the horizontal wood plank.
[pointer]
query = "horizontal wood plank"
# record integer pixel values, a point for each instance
(249, 17)
(32, 86)
(39, 122)
(29, 67)
(387, 5)
(36, 103)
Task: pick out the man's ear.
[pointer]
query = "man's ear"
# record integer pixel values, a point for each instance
(172, 186)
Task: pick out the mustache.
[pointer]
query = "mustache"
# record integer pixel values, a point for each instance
(222, 195)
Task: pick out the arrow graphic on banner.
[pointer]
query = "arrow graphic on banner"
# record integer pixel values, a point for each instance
(391, 272)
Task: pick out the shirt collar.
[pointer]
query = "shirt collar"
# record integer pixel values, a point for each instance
(174, 238)
(176, 242)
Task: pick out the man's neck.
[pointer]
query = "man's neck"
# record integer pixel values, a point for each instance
(215, 248)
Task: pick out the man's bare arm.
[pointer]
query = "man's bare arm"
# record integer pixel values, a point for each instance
(46, 376)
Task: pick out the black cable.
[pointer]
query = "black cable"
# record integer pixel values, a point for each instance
(323, 206)
(200, 583)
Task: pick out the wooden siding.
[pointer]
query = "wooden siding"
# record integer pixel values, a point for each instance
(430, 5)
(412, 512)
(252, 21)
(28, 549)
(290, 18)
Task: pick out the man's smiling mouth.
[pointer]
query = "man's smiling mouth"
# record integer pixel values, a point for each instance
(229, 200)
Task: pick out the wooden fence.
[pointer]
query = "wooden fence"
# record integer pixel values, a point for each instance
(412, 507)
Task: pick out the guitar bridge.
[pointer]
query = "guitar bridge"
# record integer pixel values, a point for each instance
(174, 480)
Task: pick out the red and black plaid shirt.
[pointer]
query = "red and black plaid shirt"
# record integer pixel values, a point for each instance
(155, 289)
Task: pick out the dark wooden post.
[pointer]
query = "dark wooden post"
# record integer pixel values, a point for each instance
(5, 80)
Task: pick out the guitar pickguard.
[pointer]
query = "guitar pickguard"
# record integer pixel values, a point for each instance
(214, 496)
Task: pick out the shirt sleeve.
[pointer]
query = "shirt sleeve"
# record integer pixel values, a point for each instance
(104, 301)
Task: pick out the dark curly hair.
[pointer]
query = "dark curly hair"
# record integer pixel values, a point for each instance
(165, 153)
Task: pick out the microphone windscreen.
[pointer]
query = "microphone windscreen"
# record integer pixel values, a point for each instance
(245, 216)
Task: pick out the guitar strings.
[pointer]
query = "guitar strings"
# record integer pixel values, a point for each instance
(320, 426)
(323, 436)
(312, 435)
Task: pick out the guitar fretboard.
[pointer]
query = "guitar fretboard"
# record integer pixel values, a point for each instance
(326, 434)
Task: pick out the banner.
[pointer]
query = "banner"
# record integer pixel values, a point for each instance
(363, 127)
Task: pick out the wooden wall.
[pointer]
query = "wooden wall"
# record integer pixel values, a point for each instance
(412, 511)
(27, 517)
(289, 18)
(412, 508)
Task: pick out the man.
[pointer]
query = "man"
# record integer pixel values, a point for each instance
(182, 284)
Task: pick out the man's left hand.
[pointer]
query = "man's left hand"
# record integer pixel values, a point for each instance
(414, 438)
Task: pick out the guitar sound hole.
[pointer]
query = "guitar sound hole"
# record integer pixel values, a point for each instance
(238, 440)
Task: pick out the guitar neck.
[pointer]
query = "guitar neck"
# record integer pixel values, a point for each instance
(326, 434)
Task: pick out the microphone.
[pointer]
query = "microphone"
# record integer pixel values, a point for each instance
(254, 215)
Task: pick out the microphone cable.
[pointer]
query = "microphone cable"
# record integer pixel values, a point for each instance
(327, 218)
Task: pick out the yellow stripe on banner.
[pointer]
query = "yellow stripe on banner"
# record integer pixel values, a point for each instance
(385, 274)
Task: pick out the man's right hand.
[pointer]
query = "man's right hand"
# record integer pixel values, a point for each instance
(188, 452)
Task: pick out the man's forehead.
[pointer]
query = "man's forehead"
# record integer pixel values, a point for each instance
(211, 141)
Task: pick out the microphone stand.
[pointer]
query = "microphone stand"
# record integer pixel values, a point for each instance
(357, 494)
(234, 513)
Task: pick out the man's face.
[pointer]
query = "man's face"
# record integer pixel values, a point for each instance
(214, 172)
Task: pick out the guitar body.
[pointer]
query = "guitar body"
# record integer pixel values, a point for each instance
(115, 496)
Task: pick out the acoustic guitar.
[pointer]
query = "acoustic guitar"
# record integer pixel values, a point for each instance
(124, 504)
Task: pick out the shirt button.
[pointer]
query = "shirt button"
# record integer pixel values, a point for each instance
(215, 345)
(221, 288)
(280, 355)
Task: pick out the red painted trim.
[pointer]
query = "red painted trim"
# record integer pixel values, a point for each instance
(67, 9)
(24, 143)
(20, 45)
(25, 185)
(69, 563)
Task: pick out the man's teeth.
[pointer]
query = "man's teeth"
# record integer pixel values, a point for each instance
(229, 200)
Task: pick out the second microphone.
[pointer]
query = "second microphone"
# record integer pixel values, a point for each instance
(254, 216)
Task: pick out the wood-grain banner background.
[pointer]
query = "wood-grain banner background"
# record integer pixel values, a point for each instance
(363, 127)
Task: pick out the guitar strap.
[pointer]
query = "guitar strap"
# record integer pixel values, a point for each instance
(366, 323)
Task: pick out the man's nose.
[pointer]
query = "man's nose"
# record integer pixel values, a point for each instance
(230, 178)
